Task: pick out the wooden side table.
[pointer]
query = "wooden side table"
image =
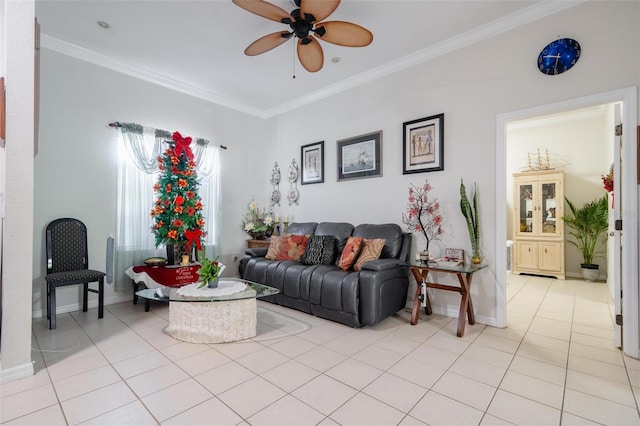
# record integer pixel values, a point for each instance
(464, 274)
(258, 243)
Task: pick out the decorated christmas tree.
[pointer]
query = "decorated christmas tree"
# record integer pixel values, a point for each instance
(178, 210)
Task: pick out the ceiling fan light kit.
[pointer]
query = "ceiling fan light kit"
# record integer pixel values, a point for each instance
(306, 24)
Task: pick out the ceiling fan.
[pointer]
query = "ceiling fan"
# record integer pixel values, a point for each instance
(306, 23)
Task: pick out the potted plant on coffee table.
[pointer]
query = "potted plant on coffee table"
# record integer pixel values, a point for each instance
(209, 272)
(588, 225)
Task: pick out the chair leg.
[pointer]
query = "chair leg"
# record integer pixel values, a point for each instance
(101, 298)
(85, 296)
(52, 307)
(48, 300)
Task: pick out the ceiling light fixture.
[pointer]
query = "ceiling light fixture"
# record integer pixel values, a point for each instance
(103, 24)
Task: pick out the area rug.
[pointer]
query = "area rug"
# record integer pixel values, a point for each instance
(276, 325)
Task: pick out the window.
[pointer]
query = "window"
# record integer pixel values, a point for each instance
(138, 150)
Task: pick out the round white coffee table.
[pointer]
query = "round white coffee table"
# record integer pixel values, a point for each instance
(210, 316)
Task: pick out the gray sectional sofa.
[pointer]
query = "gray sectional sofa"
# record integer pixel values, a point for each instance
(354, 298)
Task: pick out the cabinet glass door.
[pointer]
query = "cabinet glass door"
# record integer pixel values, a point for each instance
(548, 210)
(526, 208)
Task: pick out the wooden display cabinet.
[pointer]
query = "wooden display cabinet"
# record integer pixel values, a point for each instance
(538, 199)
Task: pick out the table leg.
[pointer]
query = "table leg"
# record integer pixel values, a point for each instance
(466, 306)
(135, 289)
(420, 276)
(415, 312)
(470, 311)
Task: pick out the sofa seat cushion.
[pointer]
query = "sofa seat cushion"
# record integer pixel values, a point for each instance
(320, 250)
(334, 289)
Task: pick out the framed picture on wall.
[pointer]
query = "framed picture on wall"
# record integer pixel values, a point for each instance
(312, 160)
(360, 157)
(423, 145)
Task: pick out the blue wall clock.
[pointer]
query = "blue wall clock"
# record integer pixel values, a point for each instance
(559, 56)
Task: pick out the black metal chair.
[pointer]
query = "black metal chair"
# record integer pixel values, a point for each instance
(67, 264)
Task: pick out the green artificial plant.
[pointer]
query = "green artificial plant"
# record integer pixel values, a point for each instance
(473, 224)
(587, 225)
(210, 270)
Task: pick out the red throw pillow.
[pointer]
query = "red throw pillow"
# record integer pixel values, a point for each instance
(292, 247)
(370, 250)
(350, 253)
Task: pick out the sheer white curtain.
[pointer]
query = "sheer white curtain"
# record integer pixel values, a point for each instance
(138, 150)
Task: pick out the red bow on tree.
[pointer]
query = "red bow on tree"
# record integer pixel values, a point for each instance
(182, 144)
(193, 236)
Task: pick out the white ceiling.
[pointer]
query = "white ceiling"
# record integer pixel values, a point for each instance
(197, 47)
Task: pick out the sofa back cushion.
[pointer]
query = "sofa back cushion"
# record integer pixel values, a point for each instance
(302, 228)
(320, 250)
(340, 230)
(390, 232)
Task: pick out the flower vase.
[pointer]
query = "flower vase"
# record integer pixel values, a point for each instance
(476, 257)
(213, 283)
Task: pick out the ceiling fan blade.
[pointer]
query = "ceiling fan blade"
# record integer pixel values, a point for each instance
(344, 34)
(310, 54)
(266, 43)
(320, 9)
(264, 9)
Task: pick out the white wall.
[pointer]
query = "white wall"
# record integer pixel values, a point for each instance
(18, 213)
(581, 144)
(76, 164)
(471, 87)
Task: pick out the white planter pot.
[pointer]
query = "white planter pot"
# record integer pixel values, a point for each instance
(590, 272)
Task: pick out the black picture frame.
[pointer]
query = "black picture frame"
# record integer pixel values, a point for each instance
(423, 145)
(312, 163)
(360, 157)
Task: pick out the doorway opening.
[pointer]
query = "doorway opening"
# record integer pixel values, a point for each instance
(541, 137)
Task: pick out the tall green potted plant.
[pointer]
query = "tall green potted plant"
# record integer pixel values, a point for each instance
(470, 213)
(588, 226)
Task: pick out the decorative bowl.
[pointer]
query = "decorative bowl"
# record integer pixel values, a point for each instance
(155, 261)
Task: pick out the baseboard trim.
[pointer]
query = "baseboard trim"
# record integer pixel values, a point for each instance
(93, 303)
(16, 373)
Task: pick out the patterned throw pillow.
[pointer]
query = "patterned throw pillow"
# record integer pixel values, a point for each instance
(274, 248)
(320, 250)
(370, 250)
(350, 253)
(292, 247)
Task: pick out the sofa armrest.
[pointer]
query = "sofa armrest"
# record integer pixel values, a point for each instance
(256, 252)
(380, 264)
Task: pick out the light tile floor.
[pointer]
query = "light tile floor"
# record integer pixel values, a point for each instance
(555, 364)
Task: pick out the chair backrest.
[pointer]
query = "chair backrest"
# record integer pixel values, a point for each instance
(66, 245)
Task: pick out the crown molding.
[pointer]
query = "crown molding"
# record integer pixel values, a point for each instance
(105, 61)
(530, 14)
(514, 20)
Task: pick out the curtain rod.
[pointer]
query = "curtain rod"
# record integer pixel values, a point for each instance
(116, 125)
